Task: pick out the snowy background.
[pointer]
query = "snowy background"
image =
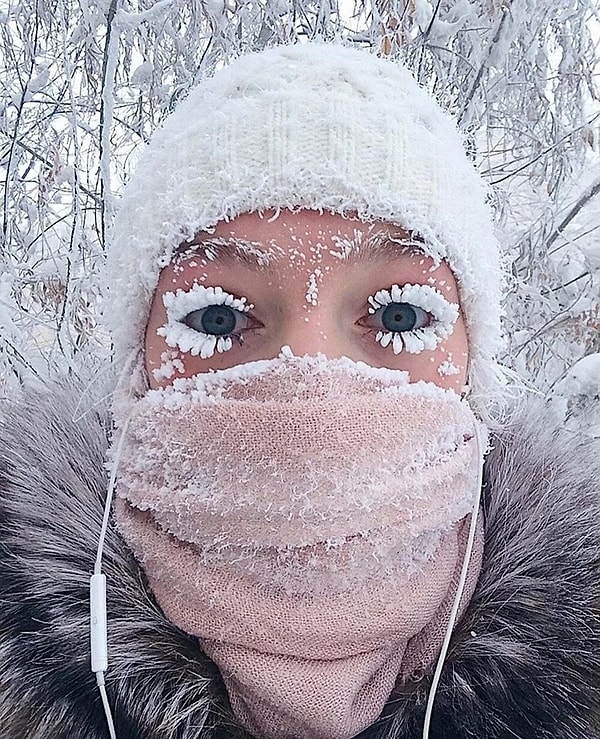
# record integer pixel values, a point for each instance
(85, 83)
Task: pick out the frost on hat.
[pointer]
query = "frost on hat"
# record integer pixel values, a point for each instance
(315, 126)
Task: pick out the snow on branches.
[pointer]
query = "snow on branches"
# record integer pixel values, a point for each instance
(86, 82)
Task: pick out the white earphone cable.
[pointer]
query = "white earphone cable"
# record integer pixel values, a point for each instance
(98, 616)
(106, 704)
(109, 499)
(460, 588)
(98, 625)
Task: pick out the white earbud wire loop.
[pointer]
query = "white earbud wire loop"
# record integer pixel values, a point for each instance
(460, 588)
(98, 615)
(98, 626)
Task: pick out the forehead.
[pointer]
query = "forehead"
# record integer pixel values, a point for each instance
(301, 238)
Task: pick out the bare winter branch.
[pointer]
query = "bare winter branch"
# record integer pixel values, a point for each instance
(85, 84)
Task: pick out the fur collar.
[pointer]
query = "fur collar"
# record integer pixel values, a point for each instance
(524, 661)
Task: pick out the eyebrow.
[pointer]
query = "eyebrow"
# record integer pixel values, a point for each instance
(377, 246)
(252, 254)
(360, 249)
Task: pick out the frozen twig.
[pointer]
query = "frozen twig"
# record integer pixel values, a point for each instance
(15, 136)
(462, 116)
(587, 196)
(109, 67)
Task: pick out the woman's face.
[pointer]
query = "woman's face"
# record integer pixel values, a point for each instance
(316, 282)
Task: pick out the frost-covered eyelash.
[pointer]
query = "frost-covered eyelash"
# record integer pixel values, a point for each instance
(179, 304)
(428, 299)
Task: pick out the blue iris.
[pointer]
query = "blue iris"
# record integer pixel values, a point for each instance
(216, 320)
(398, 317)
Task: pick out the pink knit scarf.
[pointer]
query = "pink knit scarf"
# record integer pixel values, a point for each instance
(307, 520)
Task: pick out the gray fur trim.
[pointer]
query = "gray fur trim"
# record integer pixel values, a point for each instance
(524, 662)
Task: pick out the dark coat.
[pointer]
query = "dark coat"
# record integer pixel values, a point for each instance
(524, 661)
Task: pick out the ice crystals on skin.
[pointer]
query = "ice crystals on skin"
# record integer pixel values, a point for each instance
(180, 305)
(446, 369)
(420, 300)
(312, 287)
(170, 364)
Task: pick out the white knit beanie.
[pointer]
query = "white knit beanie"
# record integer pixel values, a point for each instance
(315, 126)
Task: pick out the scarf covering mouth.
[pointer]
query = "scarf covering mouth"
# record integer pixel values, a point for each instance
(306, 519)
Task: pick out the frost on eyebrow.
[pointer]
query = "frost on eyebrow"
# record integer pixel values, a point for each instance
(346, 246)
(375, 245)
(251, 253)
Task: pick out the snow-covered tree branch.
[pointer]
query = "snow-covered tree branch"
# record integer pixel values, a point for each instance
(85, 83)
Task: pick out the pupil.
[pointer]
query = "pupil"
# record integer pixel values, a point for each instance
(218, 320)
(399, 317)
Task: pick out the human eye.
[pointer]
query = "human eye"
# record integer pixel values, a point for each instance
(203, 320)
(411, 317)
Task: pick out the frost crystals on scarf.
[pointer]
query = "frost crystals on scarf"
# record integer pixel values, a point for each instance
(306, 519)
